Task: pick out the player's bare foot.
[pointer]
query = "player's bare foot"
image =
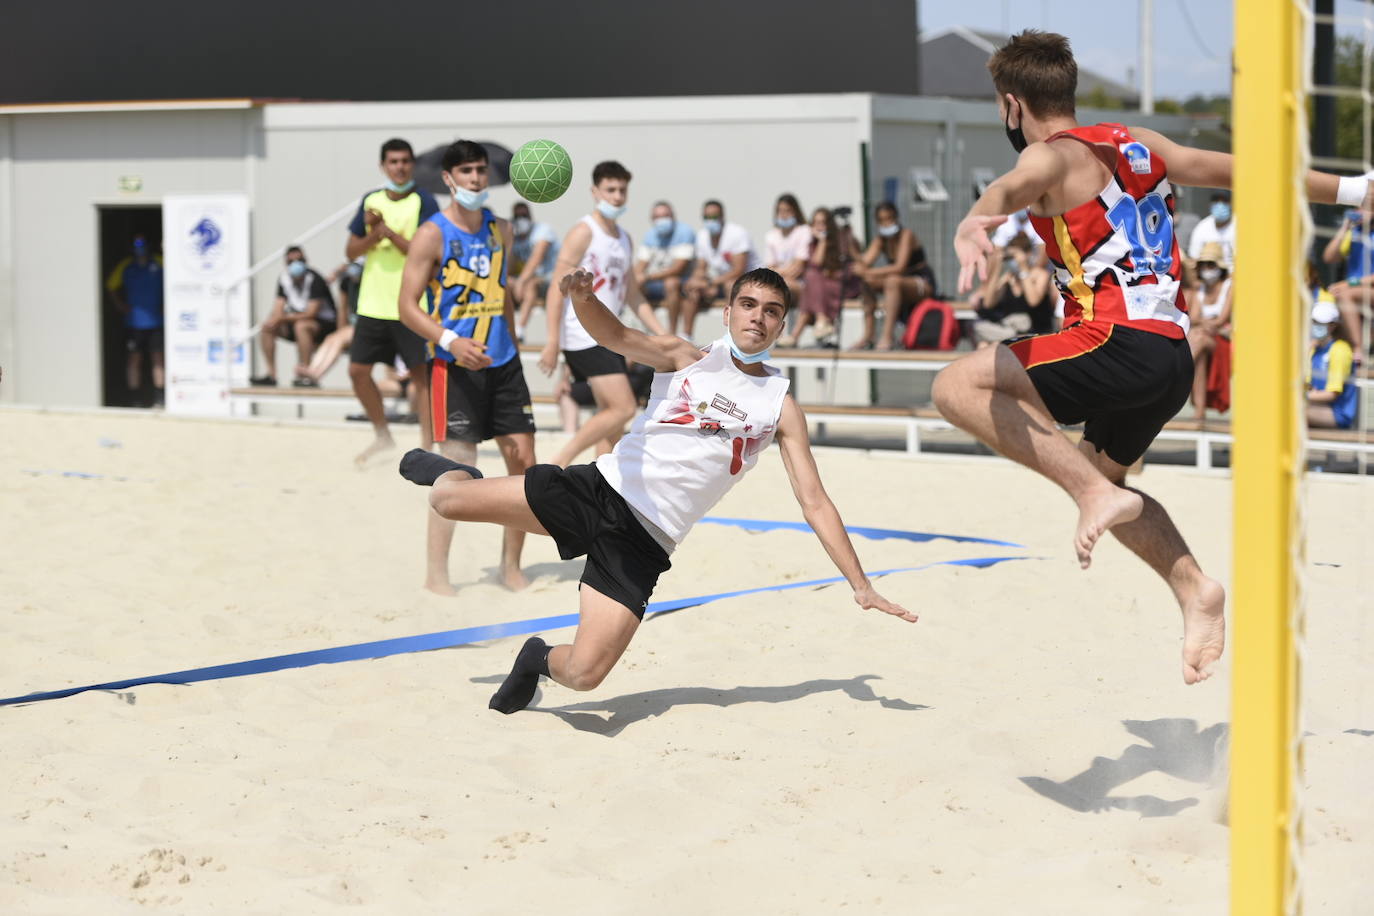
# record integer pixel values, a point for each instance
(382, 443)
(1204, 631)
(514, 579)
(1098, 510)
(441, 587)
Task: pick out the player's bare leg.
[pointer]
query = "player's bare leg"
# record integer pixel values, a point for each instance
(439, 530)
(1154, 538)
(989, 395)
(518, 453)
(604, 630)
(615, 408)
(360, 374)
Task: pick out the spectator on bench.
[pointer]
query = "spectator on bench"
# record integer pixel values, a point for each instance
(664, 261)
(724, 252)
(533, 256)
(346, 277)
(828, 275)
(1353, 242)
(895, 266)
(303, 313)
(1014, 300)
(786, 249)
(1209, 307)
(1332, 395)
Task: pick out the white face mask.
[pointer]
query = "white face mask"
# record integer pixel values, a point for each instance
(468, 200)
(1210, 275)
(889, 231)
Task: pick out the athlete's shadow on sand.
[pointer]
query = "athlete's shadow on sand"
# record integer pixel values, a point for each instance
(618, 713)
(1176, 748)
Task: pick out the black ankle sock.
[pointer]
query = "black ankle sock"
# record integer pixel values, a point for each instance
(424, 467)
(516, 692)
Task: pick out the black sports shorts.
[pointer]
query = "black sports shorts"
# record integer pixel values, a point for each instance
(474, 405)
(578, 508)
(594, 361)
(1123, 384)
(380, 340)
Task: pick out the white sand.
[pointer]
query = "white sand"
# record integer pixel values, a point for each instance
(1028, 747)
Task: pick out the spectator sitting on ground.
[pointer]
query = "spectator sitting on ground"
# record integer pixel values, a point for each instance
(895, 265)
(786, 249)
(533, 256)
(1014, 300)
(724, 252)
(1218, 226)
(664, 261)
(303, 312)
(828, 272)
(1332, 395)
(1353, 242)
(1209, 307)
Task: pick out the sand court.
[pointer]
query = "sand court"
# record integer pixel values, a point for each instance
(1027, 747)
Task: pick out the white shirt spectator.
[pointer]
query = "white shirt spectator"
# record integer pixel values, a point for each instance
(1017, 223)
(659, 251)
(1207, 231)
(734, 239)
(782, 249)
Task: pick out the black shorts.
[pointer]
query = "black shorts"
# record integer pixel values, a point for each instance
(585, 516)
(1123, 384)
(287, 329)
(144, 340)
(380, 340)
(594, 361)
(474, 405)
(641, 383)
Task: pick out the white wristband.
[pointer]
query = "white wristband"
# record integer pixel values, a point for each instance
(1351, 190)
(446, 338)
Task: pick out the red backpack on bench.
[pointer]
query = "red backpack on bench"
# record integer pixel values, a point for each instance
(931, 326)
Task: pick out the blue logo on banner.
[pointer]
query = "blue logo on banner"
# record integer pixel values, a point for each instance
(214, 353)
(207, 236)
(187, 321)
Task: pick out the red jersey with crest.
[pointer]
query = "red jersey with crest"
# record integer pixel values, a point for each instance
(1116, 259)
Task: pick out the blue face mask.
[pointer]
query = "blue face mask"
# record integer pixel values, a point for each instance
(664, 225)
(741, 355)
(400, 188)
(470, 200)
(713, 226)
(785, 222)
(1221, 211)
(610, 211)
(296, 269)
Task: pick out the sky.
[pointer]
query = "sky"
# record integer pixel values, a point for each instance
(1189, 58)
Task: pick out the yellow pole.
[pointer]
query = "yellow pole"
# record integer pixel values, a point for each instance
(1267, 460)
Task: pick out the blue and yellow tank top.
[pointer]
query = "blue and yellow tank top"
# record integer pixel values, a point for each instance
(470, 288)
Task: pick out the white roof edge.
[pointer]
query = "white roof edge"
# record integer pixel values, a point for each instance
(963, 32)
(90, 107)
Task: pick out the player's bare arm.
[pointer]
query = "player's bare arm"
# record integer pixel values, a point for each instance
(1038, 172)
(422, 263)
(575, 245)
(665, 353)
(820, 513)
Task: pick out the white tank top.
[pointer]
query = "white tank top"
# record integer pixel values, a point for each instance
(608, 258)
(704, 427)
(1215, 308)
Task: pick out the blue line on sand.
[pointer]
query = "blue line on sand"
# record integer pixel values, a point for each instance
(876, 534)
(448, 638)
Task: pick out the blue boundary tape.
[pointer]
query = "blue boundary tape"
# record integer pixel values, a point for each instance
(449, 638)
(875, 534)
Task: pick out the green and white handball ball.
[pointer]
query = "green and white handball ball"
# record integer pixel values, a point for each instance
(541, 171)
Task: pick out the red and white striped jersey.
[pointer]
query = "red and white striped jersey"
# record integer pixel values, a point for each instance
(1116, 259)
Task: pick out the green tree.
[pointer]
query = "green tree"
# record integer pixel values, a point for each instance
(1098, 98)
(1350, 111)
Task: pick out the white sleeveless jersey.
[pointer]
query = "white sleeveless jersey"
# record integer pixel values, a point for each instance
(704, 427)
(609, 260)
(1215, 309)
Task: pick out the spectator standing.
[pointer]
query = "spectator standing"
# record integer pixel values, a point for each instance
(827, 277)
(1332, 395)
(724, 253)
(787, 249)
(894, 266)
(381, 230)
(1015, 299)
(1353, 242)
(303, 313)
(533, 256)
(1209, 307)
(663, 261)
(1218, 226)
(135, 288)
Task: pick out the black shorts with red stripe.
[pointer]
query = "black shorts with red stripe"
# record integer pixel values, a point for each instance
(474, 405)
(1123, 384)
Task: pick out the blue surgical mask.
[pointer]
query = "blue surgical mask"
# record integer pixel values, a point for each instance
(400, 188)
(664, 225)
(713, 226)
(610, 211)
(469, 200)
(889, 231)
(741, 355)
(1221, 211)
(296, 269)
(785, 222)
